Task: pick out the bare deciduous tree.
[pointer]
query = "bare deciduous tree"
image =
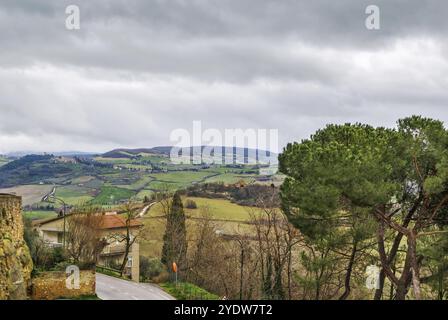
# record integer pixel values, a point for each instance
(83, 236)
(132, 231)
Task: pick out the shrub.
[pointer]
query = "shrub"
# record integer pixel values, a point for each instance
(150, 269)
(188, 291)
(58, 255)
(62, 266)
(44, 257)
(164, 276)
(190, 204)
(114, 264)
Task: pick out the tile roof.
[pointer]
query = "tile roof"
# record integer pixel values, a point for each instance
(117, 221)
(114, 221)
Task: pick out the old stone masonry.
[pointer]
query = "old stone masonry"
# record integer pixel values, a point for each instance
(15, 261)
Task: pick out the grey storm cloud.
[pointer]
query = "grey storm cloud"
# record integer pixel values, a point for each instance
(137, 69)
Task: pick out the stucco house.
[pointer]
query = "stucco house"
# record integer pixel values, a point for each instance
(111, 227)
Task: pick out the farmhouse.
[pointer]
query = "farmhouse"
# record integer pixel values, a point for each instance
(112, 224)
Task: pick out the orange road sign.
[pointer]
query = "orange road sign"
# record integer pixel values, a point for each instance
(174, 267)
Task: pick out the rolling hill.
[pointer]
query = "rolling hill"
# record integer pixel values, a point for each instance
(115, 176)
(233, 152)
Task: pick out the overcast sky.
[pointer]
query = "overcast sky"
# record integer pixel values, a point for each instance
(138, 69)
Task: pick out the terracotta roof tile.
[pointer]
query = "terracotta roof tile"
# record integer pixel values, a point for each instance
(117, 221)
(108, 221)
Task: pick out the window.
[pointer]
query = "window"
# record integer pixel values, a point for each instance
(60, 237)
(129, 262)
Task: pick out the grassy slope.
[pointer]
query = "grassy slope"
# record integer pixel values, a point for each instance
(143, 193)
(220, 209)
(111, 194)
(34, 215)
(74, 195)
(176, 179)
(230, 178)
(187, 291)
(139, 184)
(181, 176)
(82, 179)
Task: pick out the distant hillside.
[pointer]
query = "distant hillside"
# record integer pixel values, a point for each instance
(33, 169)
(26, 169)
(165, 150)
(132, 163)
(133, 153)
(4, 160)
(20, 154)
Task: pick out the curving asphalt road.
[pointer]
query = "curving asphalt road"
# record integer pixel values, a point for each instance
(110, 288)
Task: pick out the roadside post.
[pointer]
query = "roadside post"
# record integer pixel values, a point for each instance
(175, 272)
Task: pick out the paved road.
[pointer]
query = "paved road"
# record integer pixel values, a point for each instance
(146, 208)
(110, 288)
(50, 194)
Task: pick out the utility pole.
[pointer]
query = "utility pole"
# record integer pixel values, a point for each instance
(64, 212)
(241, 271)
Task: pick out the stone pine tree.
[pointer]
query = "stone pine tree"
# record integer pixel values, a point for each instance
(333, 180)
(175, 238)
(347, 178)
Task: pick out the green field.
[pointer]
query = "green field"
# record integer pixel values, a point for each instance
(139, 184)
(37, 215)
(173, 180)
(227, 216)
(113, 160)
(82, 180)
(141, 195)
(181, 176)
(75, 195)
(165, 186)
(218, 209)
(111, 195)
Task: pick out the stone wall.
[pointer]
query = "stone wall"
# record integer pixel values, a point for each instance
(52, 285)
(15, 260)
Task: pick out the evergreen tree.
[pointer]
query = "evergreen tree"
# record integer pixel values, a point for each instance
(175, 238)
(353, 183)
